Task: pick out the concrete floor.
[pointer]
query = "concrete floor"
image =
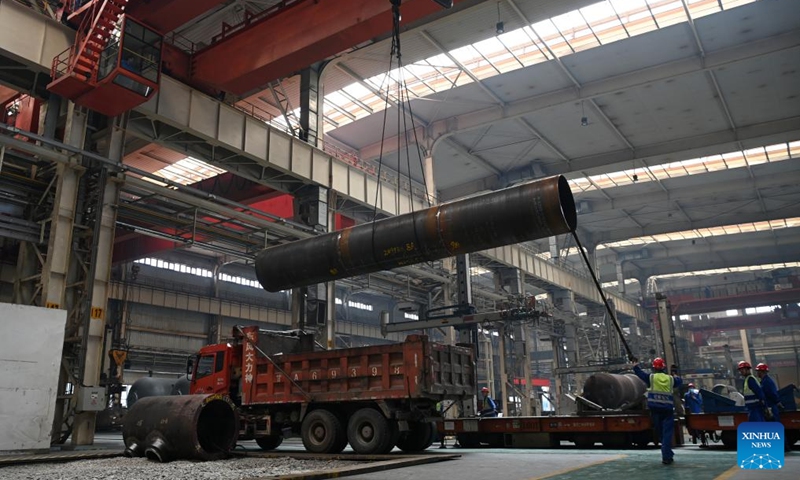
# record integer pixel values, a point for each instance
(567, 463)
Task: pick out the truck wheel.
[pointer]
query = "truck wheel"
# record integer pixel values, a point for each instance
(729, 438)
(417, 439)
(369, 432)
(468, 440)
(270, 442)
(321, 432)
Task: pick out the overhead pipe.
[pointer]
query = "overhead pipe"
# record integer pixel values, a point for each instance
(525, 212)
(189, 427)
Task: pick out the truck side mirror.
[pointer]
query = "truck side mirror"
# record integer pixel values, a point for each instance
(189, 365)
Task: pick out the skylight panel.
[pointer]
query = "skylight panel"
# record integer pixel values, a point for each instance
(600, 23)
(701, 8)
(717, 271)
(188, 171)
(776, 153)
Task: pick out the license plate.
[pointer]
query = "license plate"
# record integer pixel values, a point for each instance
(726, 421)
(470, 425)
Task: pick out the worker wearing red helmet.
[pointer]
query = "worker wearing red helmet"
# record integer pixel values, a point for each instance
(770, 390)
(753, 394)
(487, 406)
(661, 403)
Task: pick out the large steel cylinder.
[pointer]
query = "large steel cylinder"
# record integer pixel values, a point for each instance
(199, 427)
(610, 390)
(538, 209)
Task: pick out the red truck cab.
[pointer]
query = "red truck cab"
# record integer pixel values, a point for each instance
(213, 369)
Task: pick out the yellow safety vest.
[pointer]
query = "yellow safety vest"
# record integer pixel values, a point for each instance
(659, 395)
(750, 398)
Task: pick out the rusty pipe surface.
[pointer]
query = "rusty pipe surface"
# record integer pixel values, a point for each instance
(192, 427)
(530, 211)
(611, 390)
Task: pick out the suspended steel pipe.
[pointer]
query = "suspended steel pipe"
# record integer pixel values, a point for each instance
(610, 390)
(530, 211)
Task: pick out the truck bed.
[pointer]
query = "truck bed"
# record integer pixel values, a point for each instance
(414, 369)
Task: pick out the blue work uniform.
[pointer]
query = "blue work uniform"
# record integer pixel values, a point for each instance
(662, 407)
(771, 396)
(753, 399)
(693, 401)
(488, 407)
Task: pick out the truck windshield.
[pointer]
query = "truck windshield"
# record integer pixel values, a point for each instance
(205, 366)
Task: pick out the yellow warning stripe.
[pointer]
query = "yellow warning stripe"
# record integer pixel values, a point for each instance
(579, 467)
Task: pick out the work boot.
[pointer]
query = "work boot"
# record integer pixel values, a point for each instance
(667, 461)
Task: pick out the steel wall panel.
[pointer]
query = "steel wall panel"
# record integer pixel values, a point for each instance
(255, 138)
(321, 168)
(31, 37)
(174, 101)
(340, 176)
(388, 199)
(280, 149)
(204, 115)
(372, 188)
(301, 158)
(231, 127)
(358, 186)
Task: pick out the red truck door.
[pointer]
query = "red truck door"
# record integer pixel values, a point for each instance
(211, 374)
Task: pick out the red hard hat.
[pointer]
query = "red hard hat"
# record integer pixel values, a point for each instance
(485, 389)
(762, 367)
(742, 365)
(659, 364)
(691, 385)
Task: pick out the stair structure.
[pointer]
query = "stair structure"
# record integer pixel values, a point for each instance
(98, 71)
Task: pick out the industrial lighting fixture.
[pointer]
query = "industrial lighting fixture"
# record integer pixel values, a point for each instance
(499, 28)
(584, 118)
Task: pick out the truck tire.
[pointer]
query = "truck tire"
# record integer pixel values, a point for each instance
(321, 432)
(468, 440)
(369, 432)
(729, 438)
(418, 438)
(270, 442)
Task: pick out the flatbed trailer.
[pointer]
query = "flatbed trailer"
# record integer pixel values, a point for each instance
(611, 429)
(724, 424)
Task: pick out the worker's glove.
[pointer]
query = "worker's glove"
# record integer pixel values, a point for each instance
(781, 407)
(768, 413)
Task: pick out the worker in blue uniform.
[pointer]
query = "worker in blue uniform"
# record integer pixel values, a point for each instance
(488, 407)
(753, 394)
(661, 403)
(770, 390)
(694, 404)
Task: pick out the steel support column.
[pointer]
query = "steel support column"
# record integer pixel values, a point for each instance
(58, 273)
(100, 268)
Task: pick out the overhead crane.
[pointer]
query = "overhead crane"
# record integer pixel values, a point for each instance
(120, 50)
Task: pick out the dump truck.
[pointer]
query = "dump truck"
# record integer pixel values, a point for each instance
(374, 397)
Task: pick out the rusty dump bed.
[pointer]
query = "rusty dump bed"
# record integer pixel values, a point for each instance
(414, 369)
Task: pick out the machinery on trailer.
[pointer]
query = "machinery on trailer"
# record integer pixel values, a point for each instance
(374, 398)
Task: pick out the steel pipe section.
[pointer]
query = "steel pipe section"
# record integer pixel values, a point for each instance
(610, 390)
(529, 211)
(191, 427)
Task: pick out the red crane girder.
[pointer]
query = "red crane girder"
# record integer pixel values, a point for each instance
(167, 15)
(294, 38)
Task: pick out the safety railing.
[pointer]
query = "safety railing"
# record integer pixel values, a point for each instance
(62, 62)
(251, 18)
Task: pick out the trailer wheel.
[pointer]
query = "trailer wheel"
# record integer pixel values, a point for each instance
(270, 442)
(468, 440)
(369, 432)
(729, 438)
(321, 432)
(418, 438)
